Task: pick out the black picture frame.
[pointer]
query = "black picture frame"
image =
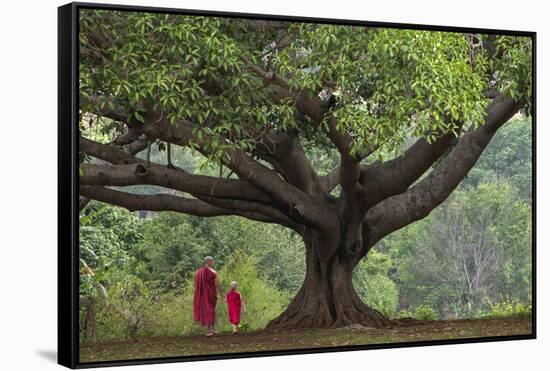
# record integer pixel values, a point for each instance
(68, 184)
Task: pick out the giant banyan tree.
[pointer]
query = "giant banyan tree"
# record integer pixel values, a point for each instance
(407, 112)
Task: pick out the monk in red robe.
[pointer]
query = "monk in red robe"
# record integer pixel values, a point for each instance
(235, 302)
(207, 285)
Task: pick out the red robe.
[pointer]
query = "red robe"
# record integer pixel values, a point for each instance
(234, 306)
(204, 303)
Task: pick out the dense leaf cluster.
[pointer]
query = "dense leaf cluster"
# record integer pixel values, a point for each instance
(388, 84)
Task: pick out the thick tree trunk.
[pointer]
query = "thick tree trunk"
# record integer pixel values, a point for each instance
(327, 297)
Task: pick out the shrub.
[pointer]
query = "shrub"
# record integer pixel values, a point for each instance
(370, 279)
(128, 311)
(425, 312)
(404, 314)
(263, 300)
(509, 308)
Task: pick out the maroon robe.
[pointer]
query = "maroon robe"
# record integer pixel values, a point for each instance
(234, 306)
(204, 303)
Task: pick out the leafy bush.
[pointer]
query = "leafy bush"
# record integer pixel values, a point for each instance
(373, 285)
(106, 234)
(129, 311)
(510, 308)
(134, 308)
(171, 248)
(174, 313)
(425, 312)
(262, 298)
(404, 314)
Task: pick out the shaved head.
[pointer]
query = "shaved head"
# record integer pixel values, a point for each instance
(208, 260)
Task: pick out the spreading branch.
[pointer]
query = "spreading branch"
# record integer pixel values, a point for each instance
(165, 202)
(289, 199)
(131, 170)
(383, 180)
(403, 209)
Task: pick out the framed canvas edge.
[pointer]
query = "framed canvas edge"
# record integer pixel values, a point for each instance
(68, 183)
(67, 233)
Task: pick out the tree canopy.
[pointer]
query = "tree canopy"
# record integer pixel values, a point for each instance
(235, 78)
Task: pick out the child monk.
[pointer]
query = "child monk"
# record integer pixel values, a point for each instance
(234, 302)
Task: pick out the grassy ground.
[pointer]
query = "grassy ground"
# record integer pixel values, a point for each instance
(264, 341)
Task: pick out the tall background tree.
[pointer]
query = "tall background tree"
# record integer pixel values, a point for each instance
(403, 115)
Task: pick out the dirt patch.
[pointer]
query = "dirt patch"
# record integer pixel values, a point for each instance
(401, 331)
